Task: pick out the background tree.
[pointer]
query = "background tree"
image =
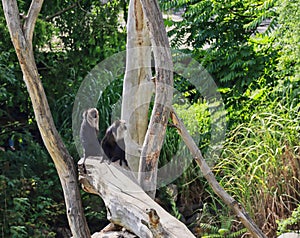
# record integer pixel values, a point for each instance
(20, 168)
(21, 35)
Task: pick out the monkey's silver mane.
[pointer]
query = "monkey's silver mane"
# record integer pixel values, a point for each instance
(117, 129)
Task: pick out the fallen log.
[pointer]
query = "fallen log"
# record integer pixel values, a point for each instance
(126, 203)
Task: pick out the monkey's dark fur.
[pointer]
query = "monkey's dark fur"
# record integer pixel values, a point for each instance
(88, 133)
(113, 143)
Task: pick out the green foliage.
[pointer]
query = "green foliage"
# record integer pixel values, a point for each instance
(167, 196)
(109, 104)
(196, 116)
(258, 76)
(225, 230)
(94, 211)
(170, 147)
(219, 33)
(261, 163)
(288, 38)
(29, 208)
(293, 220)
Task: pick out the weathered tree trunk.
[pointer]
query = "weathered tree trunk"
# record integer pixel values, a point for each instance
(137, 86)
(126, 202)
(21, 35)
(147, 176)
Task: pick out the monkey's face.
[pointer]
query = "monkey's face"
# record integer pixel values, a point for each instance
(92, 117)
(122, 129)
(93, 113)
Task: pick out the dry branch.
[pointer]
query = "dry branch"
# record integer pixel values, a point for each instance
(126, 202)
(31, 18)
(208, 174)
(163, 97)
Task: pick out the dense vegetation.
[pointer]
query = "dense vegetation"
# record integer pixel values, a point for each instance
(256, 69)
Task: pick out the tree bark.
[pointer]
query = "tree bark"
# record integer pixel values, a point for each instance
(147, 176)
(126, 202)
(137, 87)
(21, 36)
(208, 174)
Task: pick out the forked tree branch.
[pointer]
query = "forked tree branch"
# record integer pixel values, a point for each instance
(163, 97)
(31, 18)
(21, 36)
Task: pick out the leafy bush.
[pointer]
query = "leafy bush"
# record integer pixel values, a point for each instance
(292, 221)
(28, 184)
(225, 230)
(219, 35)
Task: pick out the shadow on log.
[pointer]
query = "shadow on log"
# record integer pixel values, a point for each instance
(126, 203)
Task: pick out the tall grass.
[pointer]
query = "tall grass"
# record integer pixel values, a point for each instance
(260, 165)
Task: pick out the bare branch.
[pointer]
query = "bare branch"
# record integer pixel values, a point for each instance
(163, 97)
(137, 90)
(48, 18)
(208, 174)
(31, 18)
(11, 9)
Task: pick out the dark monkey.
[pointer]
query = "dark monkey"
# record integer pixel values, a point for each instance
(113, 143)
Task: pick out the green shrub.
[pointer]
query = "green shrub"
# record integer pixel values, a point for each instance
(293, 221)
(260, 162)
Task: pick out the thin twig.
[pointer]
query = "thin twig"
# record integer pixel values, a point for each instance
(61, 11)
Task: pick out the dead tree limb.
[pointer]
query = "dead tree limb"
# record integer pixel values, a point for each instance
(237, 208)
(126, 202)
(163, 97)
(21, 35)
